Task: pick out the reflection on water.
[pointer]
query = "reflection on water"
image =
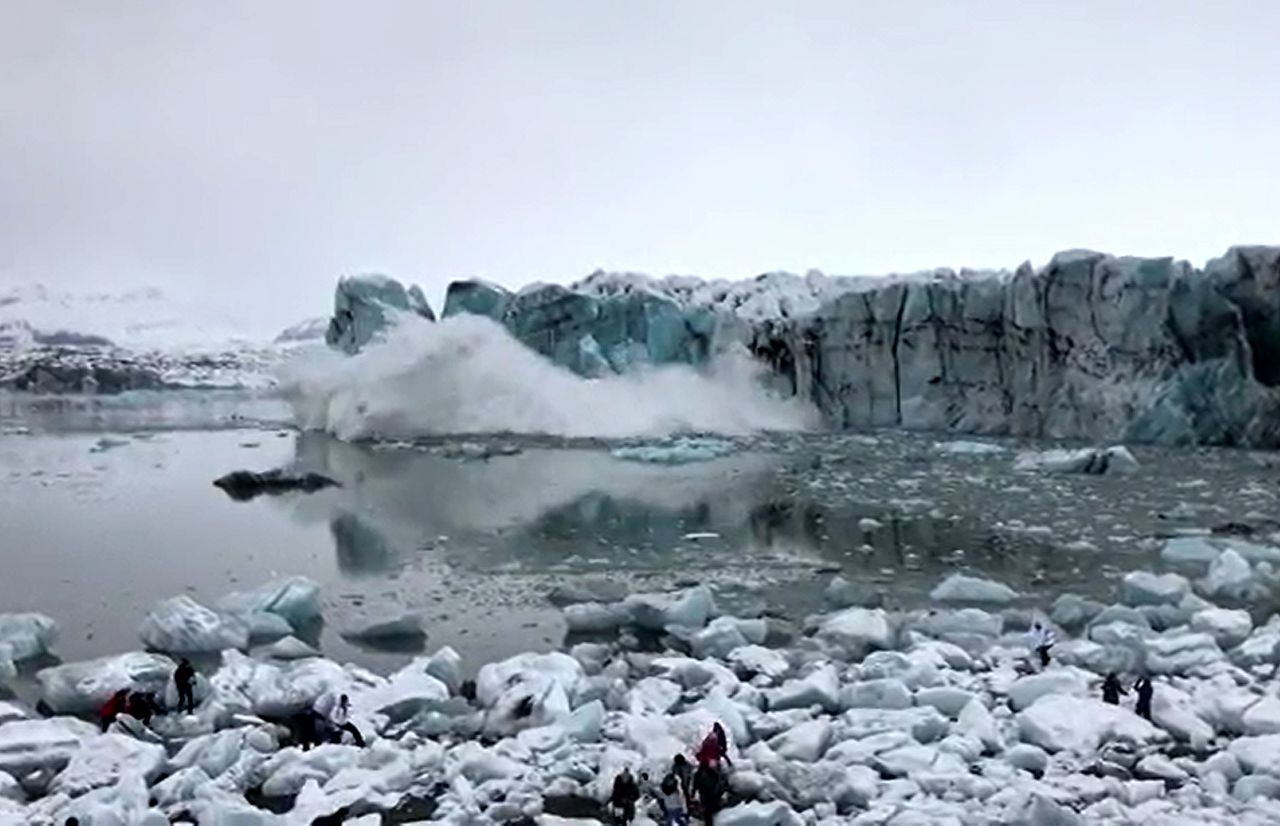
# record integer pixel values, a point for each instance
(360, 549)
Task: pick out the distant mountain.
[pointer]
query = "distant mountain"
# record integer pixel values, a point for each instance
(310, 331)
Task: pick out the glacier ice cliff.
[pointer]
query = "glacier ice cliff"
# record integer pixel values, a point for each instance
(363, 305)
(1090, 346)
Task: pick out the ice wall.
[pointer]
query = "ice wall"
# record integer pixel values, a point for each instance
(1091, 346)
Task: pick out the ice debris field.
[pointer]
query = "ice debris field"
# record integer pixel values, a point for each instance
(856, 715)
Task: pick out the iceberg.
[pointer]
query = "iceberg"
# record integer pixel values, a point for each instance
(182, 625)
(27, 635)
(295, 599)
(82, 687)
(1091, 461)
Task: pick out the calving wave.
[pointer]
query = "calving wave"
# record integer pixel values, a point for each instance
(466, 374)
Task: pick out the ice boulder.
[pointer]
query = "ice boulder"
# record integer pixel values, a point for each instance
(365, 305)
(1181, 653)
(398, 626)
(1093, 461)
(1176, 712)
(1229, 576)
(182, 625)
(404, 694)
(690, 608)
(289, 648)
(724, 634)
(1144, 588)
(806, 742)
(29, 745)
(526, 691)
(595, 617)
(1066, 680)
(101, 760)
(886, 693)
(976, 721)
(749, 660)
(962, 588)
(1060, 722)
(27, 635)
(821, 687)
(82, 687)
(246, 685)
(756, 813)
(296, 599)
(1227, 627)
(1257, 755)
(854, 632)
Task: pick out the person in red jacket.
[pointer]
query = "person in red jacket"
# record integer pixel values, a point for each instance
(113, 707)
(715, 748)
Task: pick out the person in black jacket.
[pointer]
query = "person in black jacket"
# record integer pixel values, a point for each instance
(1111, 690)
(625, 796)
(1144, 690)
(707, 785)
(184, 679)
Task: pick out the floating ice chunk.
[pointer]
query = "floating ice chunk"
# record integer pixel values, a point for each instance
(289, 648)
(961, 447)
(263, 627)
(295, 598)
(82, 687)
(27, 635)
(806, 742)
(1189, 550)
(1144, 588)
(962, 588)
(101, 760)
(1229, 576)
(1227, 627)
(690, 608)
(446, 666)
(182, 625)
(854, 632)
(675, 452)
(1059, 722)
(595, 617)
(1094, 461)
(403, 626)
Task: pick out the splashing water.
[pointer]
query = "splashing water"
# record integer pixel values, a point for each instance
(466, 374)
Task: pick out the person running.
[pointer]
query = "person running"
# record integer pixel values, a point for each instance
(709, 788)
(715, 748)
(624, 797)
(115, 706)
(1111, 689)
(1144, 690)
(184, 679)
(673, 802)
(1040, 638)
(337, 717)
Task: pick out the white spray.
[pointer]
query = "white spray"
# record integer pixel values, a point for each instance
(467, 375)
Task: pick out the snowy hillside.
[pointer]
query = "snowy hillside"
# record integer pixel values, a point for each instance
(140, 320)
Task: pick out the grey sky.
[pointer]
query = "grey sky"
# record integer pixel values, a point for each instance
(232, 148)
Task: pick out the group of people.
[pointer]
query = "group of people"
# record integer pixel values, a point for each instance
(1111, 691)
(683, 790)
(325, 722)
(143, 705)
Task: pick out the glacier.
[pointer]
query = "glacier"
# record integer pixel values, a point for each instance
(1090, 346)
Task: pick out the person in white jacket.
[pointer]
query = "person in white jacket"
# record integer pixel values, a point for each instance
(1040, 639)
(335, 711)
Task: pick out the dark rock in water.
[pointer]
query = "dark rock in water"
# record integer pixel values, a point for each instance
(243, 485)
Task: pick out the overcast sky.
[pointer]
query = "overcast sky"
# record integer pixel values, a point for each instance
(266, 147)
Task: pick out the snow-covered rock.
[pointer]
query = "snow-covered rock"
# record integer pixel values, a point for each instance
(182, 625)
